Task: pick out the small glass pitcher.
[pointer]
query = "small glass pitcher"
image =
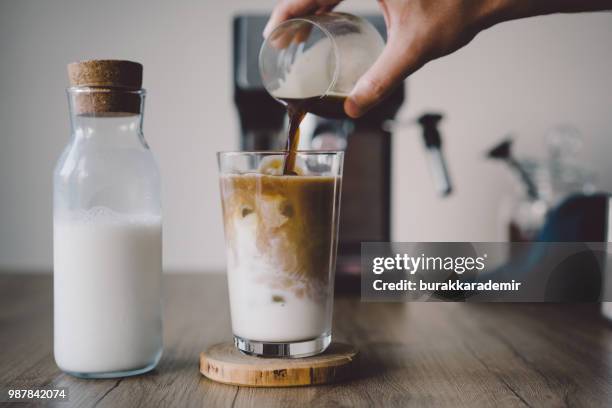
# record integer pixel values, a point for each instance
(318, 56)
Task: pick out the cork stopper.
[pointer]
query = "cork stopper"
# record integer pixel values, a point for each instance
(108, 87)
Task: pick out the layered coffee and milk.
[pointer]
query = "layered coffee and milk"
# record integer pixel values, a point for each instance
(281, 235)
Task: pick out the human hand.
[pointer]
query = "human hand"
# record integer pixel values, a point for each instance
(417, 31)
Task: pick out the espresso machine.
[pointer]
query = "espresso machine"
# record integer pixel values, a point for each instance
(366, 190)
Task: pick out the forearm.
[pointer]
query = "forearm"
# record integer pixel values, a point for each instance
(513, 9)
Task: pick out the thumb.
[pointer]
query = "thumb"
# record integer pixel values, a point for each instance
(395, 63)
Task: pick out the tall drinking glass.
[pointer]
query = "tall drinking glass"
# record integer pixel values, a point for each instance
(281, 238)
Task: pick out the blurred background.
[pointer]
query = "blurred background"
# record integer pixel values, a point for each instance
(523, 77)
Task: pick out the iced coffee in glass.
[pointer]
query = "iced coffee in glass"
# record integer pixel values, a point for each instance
(281, 238)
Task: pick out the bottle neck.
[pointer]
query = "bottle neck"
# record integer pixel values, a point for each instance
(107, 116)
(108, 130)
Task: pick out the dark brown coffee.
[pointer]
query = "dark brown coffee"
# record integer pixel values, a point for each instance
(331, 106)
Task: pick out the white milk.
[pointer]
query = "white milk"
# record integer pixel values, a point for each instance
(255, 314)
(107, 288)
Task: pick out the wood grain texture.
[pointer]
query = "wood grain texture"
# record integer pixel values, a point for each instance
(224, 363)
(416, 354)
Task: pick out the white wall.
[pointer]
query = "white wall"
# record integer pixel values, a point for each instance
(522, 76)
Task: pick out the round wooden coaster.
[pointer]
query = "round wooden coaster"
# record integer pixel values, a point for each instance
(226, 364)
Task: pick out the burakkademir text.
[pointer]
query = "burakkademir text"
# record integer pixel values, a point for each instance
(413, 264)
(406, 285)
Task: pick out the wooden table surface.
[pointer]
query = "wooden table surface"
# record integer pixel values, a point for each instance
(417, 354)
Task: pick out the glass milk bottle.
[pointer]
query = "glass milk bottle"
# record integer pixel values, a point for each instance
(107, 229)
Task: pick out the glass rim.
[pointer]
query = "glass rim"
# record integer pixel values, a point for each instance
(104, 89)
(278, 152)
(310, 20)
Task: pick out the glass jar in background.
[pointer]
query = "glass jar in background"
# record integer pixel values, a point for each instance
(526, 212)
(546, 183)
(107, 229)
